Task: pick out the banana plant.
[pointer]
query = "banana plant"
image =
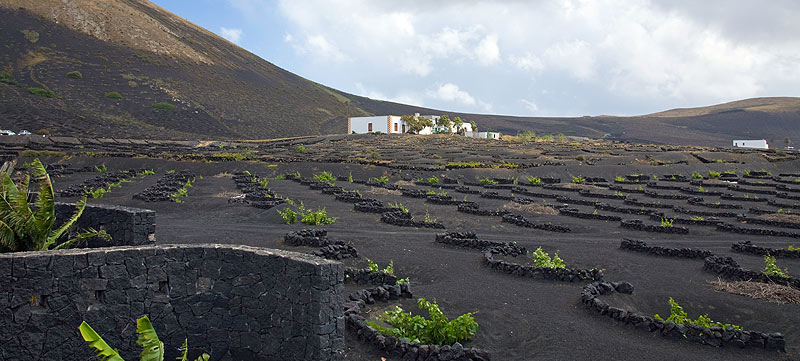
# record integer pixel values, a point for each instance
(26, 228)
(152, 346)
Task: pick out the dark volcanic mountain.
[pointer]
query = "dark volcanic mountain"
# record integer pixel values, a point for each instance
(148, 55)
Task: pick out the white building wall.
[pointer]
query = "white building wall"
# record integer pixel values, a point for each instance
(752, 143)
(396, 124)
(360, 125)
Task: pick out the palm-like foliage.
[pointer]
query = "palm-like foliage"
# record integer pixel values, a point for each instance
(152, 346)
(27, 228)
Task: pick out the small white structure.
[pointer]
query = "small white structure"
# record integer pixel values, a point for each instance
(755, 143)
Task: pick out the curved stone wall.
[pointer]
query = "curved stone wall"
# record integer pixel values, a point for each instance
(233, 302)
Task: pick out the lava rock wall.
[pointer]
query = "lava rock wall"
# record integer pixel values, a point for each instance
(233, 302)
(127, 226)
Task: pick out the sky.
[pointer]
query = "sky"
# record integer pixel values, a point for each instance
(523, 57)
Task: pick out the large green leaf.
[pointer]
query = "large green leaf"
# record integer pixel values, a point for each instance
(8, 240)
(11, 211)
(45, 202)
(104, 351)
(56, 233)
(152, 347)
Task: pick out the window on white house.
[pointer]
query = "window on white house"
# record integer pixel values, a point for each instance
(369, 127)
(395, 127)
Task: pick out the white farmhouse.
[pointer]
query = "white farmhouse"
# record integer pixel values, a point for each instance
(379, 123)
(756, 143)
(394, 124)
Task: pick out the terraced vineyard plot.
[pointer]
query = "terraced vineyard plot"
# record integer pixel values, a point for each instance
(516, 313)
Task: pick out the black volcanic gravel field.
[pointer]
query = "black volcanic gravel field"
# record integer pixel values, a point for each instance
(520, 318)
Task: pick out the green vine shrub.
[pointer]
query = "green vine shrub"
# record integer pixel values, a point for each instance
(438, 330)
(679, 316)
(542, 259)
(771, 269)
(308, 216)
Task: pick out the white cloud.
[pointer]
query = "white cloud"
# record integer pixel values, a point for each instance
(652, 56)
(404, 98)
(527, 62)
(318, 47)
(530, 105)
(574, 57)
(233, 35)
(451, 93)
(487, 51)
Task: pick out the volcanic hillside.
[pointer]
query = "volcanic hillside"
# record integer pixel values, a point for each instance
(108, 63)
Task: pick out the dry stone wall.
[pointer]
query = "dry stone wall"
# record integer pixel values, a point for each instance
(127, 226)
(233, 302)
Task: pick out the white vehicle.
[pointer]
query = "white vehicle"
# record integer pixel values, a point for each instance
(24, 132)
(6, 132)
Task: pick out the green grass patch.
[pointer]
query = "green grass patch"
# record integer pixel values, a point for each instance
(44, 93)
(113, 95)
(164, 106)
(75, 75)
(7, 78)
(41, 153)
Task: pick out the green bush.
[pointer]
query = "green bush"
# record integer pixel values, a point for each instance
(7, 78)
(398, 206)
(183, 192)
(697, 175)
(289, 215)
(771, 269)
(619, 178)
(578, 180)
(113, 95)
(44, 93)
(487, 181)
(527, 136)
(438, 330)
(713, 174)
(462, 164)
(382, 179)
(373, 267)
(667, 222)
(679, 316)
(152, 346)
(301, 148)
(534, 180)
(75, 75)
(433, 180)
(325, 176)
(542, 259)
(310, 217)
(164, 106)
(317, 218)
